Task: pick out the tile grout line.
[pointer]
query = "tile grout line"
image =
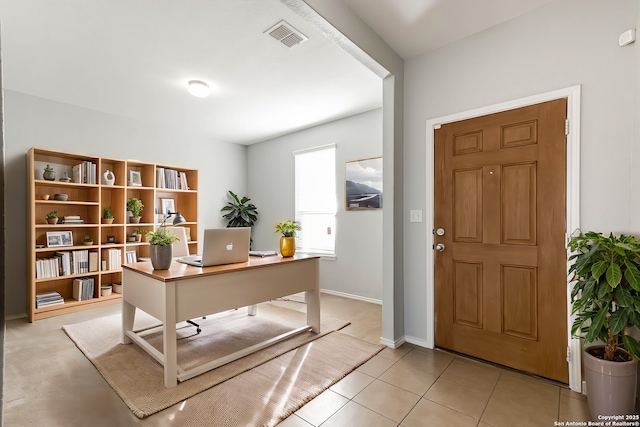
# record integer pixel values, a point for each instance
(490, 396)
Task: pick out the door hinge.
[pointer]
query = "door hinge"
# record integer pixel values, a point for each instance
(568, 354)
(566, 127)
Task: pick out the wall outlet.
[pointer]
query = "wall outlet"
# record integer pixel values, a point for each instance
(415, 216)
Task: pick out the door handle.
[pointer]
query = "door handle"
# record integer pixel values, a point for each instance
(440, 247)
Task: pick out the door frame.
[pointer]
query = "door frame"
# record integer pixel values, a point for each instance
(573, 94)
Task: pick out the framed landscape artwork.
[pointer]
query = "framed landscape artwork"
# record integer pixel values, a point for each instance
(363, 184)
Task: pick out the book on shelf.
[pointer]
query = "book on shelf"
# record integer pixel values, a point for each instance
(93, 261)
(83, 288)
(48, 299)
(63, 263)
(131, 256)
(72, 219)
(113, 258)
(84, 173)
(171, 179)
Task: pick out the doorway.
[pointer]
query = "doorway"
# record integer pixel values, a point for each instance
(500, 256)
(571, 217)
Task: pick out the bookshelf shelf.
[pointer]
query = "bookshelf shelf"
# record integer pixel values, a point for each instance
(87, 201)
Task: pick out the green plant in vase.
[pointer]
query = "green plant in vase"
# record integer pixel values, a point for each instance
(52, 217)
(161, 237)
(107, 215)
(606, 303)
(135, 206)
(288, 231)
(161, 249)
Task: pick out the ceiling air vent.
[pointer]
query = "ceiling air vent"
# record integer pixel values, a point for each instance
(286, 34)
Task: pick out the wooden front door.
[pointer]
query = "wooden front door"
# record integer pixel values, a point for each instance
(500, 280)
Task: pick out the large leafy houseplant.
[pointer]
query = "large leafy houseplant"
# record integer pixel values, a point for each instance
(606, 295)
(240, 212)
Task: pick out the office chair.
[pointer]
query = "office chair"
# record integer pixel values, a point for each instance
(181, 248)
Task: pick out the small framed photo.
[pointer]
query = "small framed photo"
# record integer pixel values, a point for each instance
(59, 238)
(168, 205)
(135, 178)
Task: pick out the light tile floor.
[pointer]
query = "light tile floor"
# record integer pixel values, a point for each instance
(47, 378)
(413, 387)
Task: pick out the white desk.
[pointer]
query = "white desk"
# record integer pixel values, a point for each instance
(185, 292)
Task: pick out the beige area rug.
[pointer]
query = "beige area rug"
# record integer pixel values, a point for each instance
(260, 389)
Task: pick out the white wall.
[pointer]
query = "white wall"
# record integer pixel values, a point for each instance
(562, 44)
(635, 219)
(36, 122)
(370, 47)
(357, 269)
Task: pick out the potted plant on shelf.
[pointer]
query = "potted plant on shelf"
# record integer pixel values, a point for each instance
(49, 174)
(87, 240)
(161, 249)
(288, 230)
(606, 302)
(52, 217)
(135, 206)
(240, 212)
(107, 215)
(138, 234)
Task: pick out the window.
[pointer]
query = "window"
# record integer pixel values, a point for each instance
(315, 202)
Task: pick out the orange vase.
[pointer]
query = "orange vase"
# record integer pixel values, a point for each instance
(287, 246)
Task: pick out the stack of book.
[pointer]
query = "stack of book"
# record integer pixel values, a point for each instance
(83, 288)
(72, 219)
(48, 299)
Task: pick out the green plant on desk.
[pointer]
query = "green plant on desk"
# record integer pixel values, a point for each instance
(287, 228)
(161, 237)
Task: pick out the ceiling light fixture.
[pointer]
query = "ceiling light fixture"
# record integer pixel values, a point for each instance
(198, 88)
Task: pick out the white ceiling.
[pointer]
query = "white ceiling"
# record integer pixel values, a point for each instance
(412, 27)
(132, 58)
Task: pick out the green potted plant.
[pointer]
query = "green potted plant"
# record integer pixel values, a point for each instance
(288, 231)
(87, 240)
(107, 215)
(135, 206)
(161, 249)
(49, 174)
(606, 302)
(240, 212)
(138, 233)
(52, 217)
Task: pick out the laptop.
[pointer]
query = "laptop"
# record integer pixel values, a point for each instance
(221, 246)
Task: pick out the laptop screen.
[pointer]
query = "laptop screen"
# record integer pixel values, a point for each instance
(222, 246)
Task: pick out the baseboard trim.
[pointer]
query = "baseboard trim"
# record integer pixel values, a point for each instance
(420, 342)
(392, 344)
(351, 296)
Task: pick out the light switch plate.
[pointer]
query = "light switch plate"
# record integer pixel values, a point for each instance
(415, 216)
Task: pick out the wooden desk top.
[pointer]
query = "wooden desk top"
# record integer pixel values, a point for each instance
(179, 271)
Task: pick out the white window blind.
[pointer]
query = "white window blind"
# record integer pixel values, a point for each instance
(315, 204)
